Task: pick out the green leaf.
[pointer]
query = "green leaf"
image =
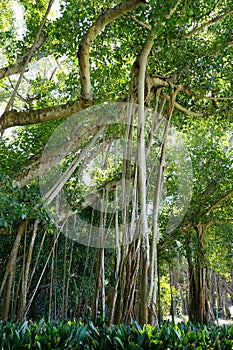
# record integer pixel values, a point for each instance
(117, 340)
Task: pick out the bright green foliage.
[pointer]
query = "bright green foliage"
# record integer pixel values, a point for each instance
(220, 245)
(211, 156)
(202, 63)
(6, 15)
(76, 335)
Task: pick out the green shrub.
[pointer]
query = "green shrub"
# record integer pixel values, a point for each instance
(77, 335)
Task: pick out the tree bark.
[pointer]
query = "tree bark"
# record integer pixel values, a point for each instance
(141, 156)
(27, 269)
(199, 304)
(85, 45)
(21, 62)
(11, 270)
(16, 118)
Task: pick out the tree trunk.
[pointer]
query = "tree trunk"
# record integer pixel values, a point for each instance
(181, 283)
(51, 282)
(11, 270)
(65, 280)
(199, 308)
(99, 298)
(25, 282)
(173, 301)
(159, 306)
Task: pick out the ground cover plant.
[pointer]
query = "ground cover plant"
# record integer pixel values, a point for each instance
(116, 173)
(77, 335)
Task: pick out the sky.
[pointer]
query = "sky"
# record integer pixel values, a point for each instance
(19, 19)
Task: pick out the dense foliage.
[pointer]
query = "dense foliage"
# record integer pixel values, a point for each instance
(76, 335)
(172, 61)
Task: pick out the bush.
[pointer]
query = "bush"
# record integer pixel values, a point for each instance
(76, 335)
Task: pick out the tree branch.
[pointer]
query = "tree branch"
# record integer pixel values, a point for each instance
(29, 56)
(30, 173)
(142, 24)
(213, 206)
(84, 47)
(15, 118)
(160, 81)
(173, 10)
(18, 118)
(207, 24)
(56, 188)
(181, 108)
(19, 65)
(219, 222)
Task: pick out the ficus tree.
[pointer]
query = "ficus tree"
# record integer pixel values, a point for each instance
(158, 64)
(210, 205)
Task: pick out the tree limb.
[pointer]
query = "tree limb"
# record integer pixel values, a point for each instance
(219, 222)
(213, 206)
(19, 118)
(160, 81)
(56, 188)
(84, 47)
(30, 173)
(28, 58)
(19, 65)
(207, 24)
(142, 24)
(16, 118)
(173, 10)
(181, 108)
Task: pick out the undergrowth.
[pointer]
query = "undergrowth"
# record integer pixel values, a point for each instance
(77, 335)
